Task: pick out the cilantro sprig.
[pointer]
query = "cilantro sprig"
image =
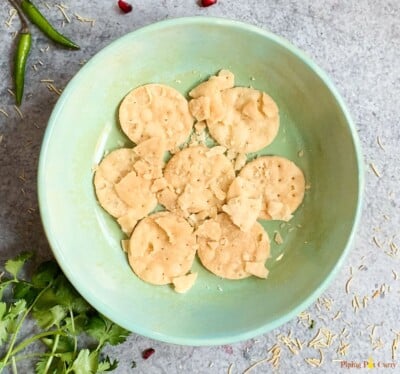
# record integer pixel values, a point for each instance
(72, 332)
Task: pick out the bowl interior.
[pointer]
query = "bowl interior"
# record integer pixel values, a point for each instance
(316, 133)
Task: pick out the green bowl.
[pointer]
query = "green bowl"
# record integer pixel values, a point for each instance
(316, 132)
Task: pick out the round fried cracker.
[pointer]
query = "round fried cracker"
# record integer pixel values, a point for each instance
(123, 182)
(198, 179)
(162, 247)
(278, 181)
(115, 166)
(250, 121)
(156, 110)
(227, 257)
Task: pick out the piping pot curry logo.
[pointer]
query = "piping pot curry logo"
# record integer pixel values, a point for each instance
(368, 364)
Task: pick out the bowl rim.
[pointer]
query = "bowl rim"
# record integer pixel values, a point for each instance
(224, 22)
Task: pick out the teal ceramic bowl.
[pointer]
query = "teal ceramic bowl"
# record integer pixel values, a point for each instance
(316, 132)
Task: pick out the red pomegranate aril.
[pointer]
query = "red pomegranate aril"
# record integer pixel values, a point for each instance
(205, 3)
(147, 353)
(124, 6)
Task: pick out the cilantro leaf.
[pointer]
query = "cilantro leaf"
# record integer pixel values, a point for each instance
(79, 324)
(15, 265)
(45, 274)
(3, 309)
(57, 366)
(3, 331)
(65, 344)
(107, 365)
(106, 331)
(50, 317)
(64, 294)
(24, 290)
(16, 309)
(86, 362)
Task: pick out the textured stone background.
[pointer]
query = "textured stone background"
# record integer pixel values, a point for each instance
(358, 44)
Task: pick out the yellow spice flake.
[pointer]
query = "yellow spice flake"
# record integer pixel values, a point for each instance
(337, 315)
(11, 15)
(375, 240)
(19, 112)
(343, 348)
(315, 362)
(251, 367)
(85, 19)
(275, 358)
(347, 287)
(374, 169)
(375, 294)
(4, 113)
(63, 9)
(378, 140)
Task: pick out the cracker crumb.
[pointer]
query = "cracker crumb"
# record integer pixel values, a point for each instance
(278, 238)
(300, 153)
(279, 257)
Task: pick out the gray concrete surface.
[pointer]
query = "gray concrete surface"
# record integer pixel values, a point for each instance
(358, 44)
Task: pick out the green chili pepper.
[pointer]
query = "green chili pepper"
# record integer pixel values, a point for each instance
(23, 48)
(45, 26)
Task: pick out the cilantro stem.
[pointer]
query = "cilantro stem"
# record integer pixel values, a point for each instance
(32, 339)
(31, 355)
(20, 322)
(71, 313)
(53, 351)
(14, 365)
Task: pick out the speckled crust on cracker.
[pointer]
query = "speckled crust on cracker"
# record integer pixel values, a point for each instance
(278, 181)
(198, 179)
(162, 247)
(156, 110)
(250, 121)
(226, 251)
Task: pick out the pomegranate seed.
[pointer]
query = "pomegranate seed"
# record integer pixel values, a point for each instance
(124, 6)
(205, 3)
(147, 353)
